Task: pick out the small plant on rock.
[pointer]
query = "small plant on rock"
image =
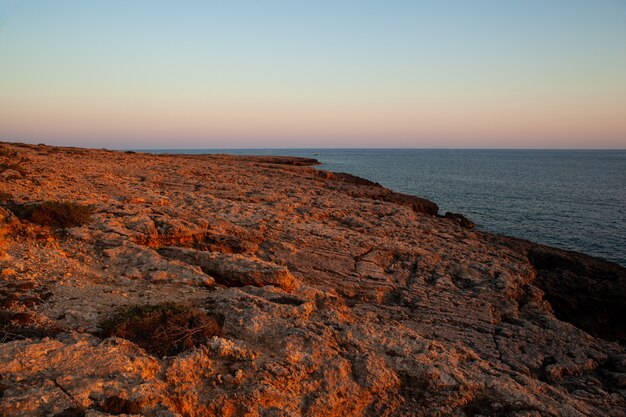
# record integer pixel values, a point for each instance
(18, 326)
(4, 197)
(162, 329)
(14, 167)
(54, 213)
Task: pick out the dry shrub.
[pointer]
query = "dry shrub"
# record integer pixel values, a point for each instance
(14, 167)
(54, 213)
(72, 411)
(116, 405)
(17, 326)
(162, 329)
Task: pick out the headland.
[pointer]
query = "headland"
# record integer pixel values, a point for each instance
(200, 285)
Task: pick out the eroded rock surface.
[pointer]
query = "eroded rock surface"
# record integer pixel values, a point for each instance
(336, 297)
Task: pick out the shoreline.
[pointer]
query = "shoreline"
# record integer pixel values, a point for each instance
(331, 295)
(577, 231)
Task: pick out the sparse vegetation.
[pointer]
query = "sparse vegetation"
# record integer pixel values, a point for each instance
(116, 405)
(54, 213)
(162, 329)
(14, 167)
(17, 326)
(4, 197)
(6, 152)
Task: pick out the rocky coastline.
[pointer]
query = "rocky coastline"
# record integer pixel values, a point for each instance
(278, 289)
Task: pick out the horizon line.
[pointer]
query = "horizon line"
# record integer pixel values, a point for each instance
(144, 149)
(304, 148)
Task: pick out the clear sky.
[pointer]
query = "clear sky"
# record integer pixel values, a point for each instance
(337, 73)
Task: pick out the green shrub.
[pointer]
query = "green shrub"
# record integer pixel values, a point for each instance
(162, 329)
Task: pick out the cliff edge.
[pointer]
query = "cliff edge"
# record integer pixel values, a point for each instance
(201, 285)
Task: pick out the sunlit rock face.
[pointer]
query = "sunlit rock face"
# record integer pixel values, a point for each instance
(333, 296)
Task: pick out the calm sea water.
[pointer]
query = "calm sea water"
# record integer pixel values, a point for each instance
(569, 199)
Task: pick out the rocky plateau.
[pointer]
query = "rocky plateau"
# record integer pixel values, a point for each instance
(331, 296)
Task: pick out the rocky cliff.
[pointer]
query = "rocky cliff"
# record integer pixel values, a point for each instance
(201, 285)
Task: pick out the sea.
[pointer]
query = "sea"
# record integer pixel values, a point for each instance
(570, 199)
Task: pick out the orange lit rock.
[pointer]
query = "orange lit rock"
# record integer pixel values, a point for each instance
(335, 297)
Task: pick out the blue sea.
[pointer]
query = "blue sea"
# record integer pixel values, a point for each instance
(571, 199)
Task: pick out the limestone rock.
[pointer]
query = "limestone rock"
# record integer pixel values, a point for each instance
(334, 295)
(234, 270)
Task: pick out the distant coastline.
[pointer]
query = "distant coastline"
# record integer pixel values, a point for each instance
(571, 199)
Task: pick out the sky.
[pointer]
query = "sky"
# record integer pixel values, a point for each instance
(337, 73)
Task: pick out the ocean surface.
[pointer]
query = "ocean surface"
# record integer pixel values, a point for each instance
(574, 199)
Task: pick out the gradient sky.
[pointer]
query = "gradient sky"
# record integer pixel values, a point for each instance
(340, 73)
